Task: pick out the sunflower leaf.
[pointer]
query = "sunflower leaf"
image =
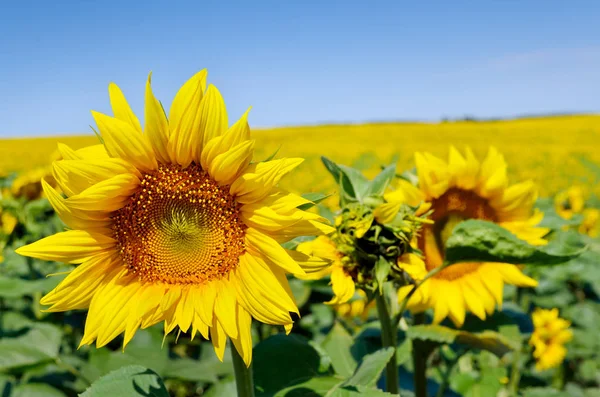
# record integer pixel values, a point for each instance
(481, 241)
(370, 368)
(382, 270)
(314, 198)
(380, 183)
(337, 344)
(133, 380)
(491, 341)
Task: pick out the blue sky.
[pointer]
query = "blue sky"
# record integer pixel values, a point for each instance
(299, 62)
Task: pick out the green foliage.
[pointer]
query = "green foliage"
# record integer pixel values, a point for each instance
(481, 241)
(133, 380)
(488, 340)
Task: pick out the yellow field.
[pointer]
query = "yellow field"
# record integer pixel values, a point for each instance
(546, 150)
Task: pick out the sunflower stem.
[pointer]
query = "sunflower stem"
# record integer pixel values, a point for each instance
(419, 355)
(243, 375)
(388, 339)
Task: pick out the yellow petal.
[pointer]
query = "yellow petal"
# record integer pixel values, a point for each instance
(342, 285)
(78, 288)
(238, 133)
(123, 141)
(109, 195)
(74, 176)
(73, 218)
(263, 245)
(225, 303)
(385, 213)
(260, 179)
(243, 342)
(226, 167)
(213, 116)
(73, 246)
(157, 126)
(121, 108)
(184, 120)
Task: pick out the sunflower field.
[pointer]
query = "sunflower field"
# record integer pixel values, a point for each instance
(182, 254)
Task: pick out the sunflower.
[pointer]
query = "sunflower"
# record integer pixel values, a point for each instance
(569, 202)
(28, 184)
(460, 189)
(173, 223)
(591, 222)
(340, 270)
(548, 338)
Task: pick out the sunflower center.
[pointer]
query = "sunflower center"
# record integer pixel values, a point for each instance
(180, 227)
(451, 208)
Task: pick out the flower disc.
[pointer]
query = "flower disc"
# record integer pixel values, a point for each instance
(180, 227)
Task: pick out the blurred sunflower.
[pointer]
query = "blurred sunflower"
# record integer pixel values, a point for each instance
(569, 202)
(172, 222)
(28, 184)
(591, 222)
(548, 338)
(460, 189)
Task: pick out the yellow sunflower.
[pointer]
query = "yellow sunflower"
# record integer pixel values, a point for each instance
(173, 223)
(464, 188)
(548, 338)
(28, 184)
(569, 202)
(343, 282)
(591, 222)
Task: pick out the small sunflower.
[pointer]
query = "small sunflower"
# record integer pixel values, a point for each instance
(173, 223)
(460, 189)
(569, 202)
(548, 338)
(591, 222)
(343, 278)
(28, 184)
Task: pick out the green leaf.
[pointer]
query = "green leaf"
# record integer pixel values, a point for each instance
(319, 386)
(491, 341)
(314, 198)
(41, 343)
(359, 391)
(370, 368)
(225, 388)
(382, 270)
(337, 344)
(282, 361)
(347, 192)
(36, 390)
(551, 219)
(272, 156)
(481, 241)
(12, 288)
(381, 182)
(543, 392)
(301, 291)
(133, 380)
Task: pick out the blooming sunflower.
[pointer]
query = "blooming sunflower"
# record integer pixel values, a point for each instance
(173, 223)
(548, 338)
(28, 184)
(569, 202)
(460, 189)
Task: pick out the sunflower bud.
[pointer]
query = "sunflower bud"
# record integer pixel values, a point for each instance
(371, 234)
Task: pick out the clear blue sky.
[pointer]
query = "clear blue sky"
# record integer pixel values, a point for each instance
(299, 62)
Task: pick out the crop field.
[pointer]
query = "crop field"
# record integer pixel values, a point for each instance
(503, 300)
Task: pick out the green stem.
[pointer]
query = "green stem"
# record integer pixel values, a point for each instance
(388, 339)
(515, 374)
(243, 375)
(412, 291)
(419, 354)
